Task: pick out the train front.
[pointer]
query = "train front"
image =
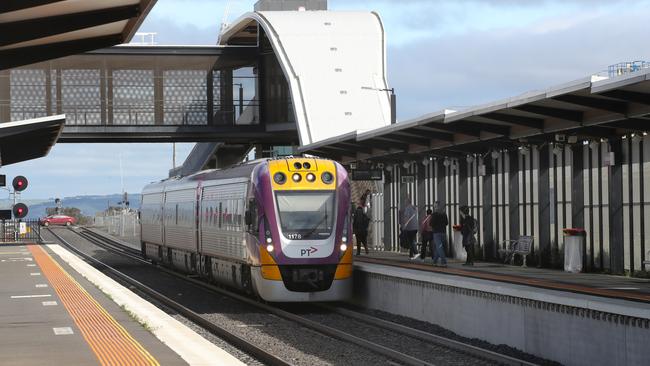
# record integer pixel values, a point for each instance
(305, 251)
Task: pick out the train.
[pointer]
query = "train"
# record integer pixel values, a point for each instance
(278, 229)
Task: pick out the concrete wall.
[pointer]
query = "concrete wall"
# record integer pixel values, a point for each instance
(571, 335)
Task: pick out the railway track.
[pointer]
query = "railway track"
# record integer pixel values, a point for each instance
(115, 246)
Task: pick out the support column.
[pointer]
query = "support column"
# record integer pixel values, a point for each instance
(388, 219)
(421, 184)
(489, 249)
(463, 188)
(578, 187)
(226, 107)
(104, 76)
(616, 254)
(158, 96)
(59, 92)
(441, 174)
(48, 91)
(5, 96)
(544, 208)
(513, 194)
(210, 97)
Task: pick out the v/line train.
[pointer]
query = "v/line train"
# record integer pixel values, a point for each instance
(275, 228)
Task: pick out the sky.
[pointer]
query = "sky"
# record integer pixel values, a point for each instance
(441, 54)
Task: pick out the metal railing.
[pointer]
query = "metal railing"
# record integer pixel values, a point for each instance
(20, 231)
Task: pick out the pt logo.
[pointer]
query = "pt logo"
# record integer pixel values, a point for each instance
(308, 252)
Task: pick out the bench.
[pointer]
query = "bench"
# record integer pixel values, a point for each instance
(521, 246)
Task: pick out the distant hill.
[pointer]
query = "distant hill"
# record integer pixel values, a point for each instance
(89, 205)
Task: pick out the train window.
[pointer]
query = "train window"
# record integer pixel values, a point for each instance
(306, 215)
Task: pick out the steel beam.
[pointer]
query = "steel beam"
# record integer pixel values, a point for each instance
(427, 133)
(535, 123)
(544, 208)
(405, 139)
(616, 252)
(482, 126)
(449, 127)
(565, 114)
(629, 96)
(608, 105)
(15, 57)
(13, 5)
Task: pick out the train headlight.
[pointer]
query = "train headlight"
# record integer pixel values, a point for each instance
(311, 177)
(279, 178)
(344, 239)
(269, 248)
(296, 177)
(269, 240)
(327, 178)
(344, 247)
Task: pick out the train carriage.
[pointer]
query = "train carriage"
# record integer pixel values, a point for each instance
(277, 228)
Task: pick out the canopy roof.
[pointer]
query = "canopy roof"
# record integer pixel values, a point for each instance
(37, 30)
(29, 139)
(591, 108)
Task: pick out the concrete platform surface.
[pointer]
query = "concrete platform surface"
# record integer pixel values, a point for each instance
(51, 315)
(599, 285)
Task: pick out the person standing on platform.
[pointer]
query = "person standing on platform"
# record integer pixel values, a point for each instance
(409, 224)
(426, 235)
(360, 223)
(439, 224)
(365, 200)
(468, 229)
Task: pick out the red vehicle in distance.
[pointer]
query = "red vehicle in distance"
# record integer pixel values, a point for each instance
(58, 220)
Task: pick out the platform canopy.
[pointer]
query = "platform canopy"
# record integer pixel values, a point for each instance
(592, 108)
(29, 139)
(38, 30)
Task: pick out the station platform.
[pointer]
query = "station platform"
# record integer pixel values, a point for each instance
(53, 313)
(600, 285)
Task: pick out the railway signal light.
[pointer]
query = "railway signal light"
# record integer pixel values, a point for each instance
(20, 210)
(19, 183)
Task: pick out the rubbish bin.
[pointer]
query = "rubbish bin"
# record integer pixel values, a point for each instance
(459, 251)
(574, 240)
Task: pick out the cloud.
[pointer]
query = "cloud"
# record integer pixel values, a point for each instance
(469, 69)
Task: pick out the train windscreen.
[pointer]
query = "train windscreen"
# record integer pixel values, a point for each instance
(306, 215)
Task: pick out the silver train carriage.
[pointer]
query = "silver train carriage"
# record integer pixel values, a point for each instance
(277, 228)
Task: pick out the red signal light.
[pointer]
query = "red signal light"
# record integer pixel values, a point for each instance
(19, 183)
(20, 210)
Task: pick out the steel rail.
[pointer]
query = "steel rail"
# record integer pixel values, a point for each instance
(429, 337)
(318, 327)
(323, 329)
(194, 317)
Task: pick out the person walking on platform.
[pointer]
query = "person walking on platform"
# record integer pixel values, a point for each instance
(439, 224)
(426, 235)
(409, 224)
(360, 223)
(468, 229)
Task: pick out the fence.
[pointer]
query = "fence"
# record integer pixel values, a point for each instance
(20, 231)
(125, 224)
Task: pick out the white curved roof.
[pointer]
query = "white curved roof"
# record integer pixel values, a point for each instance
(335, 64)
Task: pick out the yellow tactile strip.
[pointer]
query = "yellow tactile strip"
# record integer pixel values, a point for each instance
(110, 342)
